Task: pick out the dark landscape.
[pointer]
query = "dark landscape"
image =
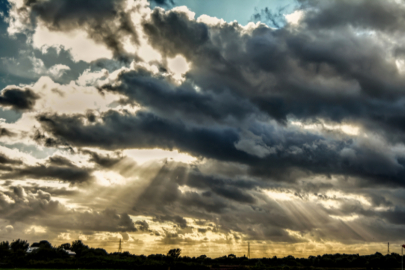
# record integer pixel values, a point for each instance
(14, 255)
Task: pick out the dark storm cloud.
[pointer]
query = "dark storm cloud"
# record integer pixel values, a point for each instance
(312, 155)
(71, 175)
(395, 216)
(60, 161)
(183, 102)
(375, 15)
(16, 205)
(310, 78)
(147, 131)
(39, 208)
(42, 139)
(336, 75)
(245, 84)
(294, 151)
(174, 33)
(309, 74)
(7, 133)
(175, 219)
(58, 168)
(142, 225)
(104, 161)
(230, 189)
(106, 220)
(18, 98)
(379, 200)
(105, 21)
(6, 160)
(55, 192)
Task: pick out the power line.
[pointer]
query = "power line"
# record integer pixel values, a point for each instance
(119, 247)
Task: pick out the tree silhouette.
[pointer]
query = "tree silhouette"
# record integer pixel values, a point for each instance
(65, 246)
(174, 253)
(19, 245)
(79, 247)
(4, 249)
(232, 256)
(45, 244)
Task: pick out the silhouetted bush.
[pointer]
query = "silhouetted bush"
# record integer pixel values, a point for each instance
(4, 249)
(19, 245)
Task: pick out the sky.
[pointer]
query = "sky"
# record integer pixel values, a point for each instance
(204, 125)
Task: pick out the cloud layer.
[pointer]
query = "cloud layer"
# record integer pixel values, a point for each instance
(295, 128)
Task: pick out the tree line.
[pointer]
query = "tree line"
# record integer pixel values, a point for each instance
(14, 255)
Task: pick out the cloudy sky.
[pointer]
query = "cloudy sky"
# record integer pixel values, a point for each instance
(204, 125)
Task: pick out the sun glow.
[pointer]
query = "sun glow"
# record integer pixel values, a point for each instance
(80, 45)
(321, 125)
(109, 178)
(179, 66)
(142, 156)
(279, 195)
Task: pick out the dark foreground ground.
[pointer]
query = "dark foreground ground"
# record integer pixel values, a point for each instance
(218, 267)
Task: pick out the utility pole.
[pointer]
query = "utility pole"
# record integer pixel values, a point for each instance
(119, 247)
(388, 248)
(249, 251)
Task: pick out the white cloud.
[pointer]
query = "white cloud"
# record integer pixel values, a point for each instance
(91, 78)
(183, 9)
(58, 70)
(70, 98)
(9, 228)
(210, 20)
(147, 53)
(18, 18)
(295, 17)
(35, 230)
(14, 153)
(38, 65)
(77, 41)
